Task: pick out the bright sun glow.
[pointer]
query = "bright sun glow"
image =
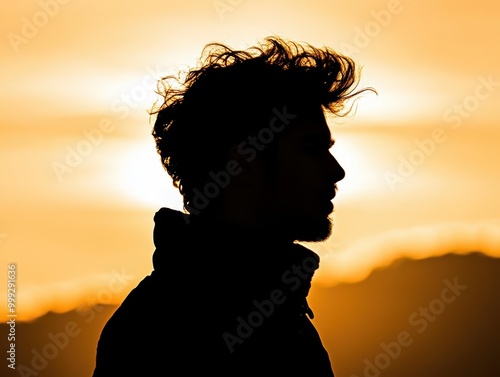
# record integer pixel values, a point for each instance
(144, 180)
(353, 152)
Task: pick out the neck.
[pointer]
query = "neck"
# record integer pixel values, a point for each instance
(247, 223)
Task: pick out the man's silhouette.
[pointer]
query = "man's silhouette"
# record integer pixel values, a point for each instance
(245, 140)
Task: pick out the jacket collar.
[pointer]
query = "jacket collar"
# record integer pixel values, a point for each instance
(190, 242)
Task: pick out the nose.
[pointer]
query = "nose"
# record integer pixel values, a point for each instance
(337, 171)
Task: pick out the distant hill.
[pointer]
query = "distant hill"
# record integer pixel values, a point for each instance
(443, 333)
(435, 317)
(57, 345)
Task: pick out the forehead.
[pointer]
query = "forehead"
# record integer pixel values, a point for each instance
(310, 126)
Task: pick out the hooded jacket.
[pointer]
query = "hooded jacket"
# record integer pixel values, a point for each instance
(221, 300)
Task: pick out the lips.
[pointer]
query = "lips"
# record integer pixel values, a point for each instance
(328, 205)
(327, 197)
(331, 207)
(331, 196)
(332, 193)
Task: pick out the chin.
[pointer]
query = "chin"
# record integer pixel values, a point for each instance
(314, 230)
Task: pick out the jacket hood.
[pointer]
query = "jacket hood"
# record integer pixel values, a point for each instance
(170, 230)
(169, 224)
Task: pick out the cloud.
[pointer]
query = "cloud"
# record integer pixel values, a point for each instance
(34, 301)
(355, 262)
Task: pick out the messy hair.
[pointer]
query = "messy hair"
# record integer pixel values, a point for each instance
(231, 94)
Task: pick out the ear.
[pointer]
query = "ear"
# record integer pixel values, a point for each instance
(245, 165)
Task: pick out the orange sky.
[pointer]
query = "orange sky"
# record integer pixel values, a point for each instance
(421, 157)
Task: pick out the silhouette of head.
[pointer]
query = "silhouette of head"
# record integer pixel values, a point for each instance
(244, 135)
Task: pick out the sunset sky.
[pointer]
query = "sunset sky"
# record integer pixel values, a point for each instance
(80, 180)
